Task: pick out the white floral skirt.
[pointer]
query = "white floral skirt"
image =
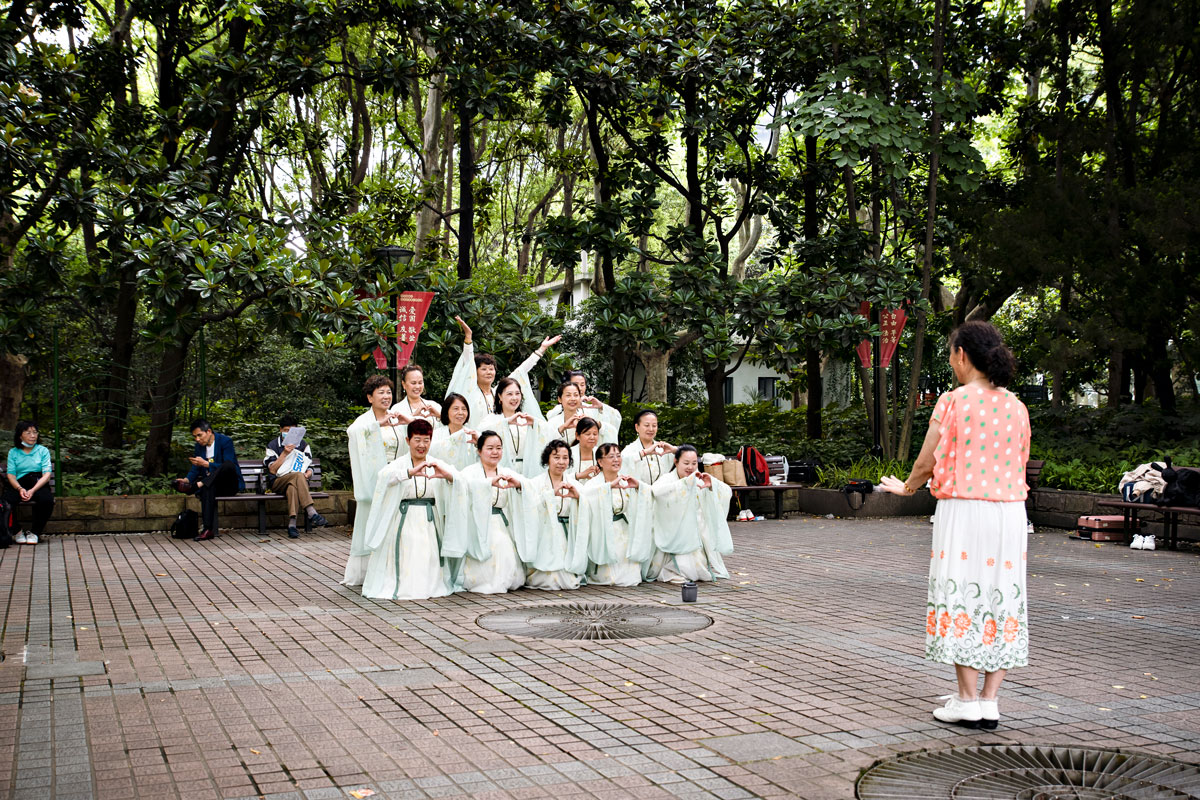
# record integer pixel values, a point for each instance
(976, 612)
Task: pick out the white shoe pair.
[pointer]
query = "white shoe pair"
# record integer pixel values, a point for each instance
(25, 537)
(978, 713)
(745, 515)
(1142, 542)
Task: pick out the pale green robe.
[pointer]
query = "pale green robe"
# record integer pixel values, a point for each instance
(464, 382)
(647, 469)
(608, 417)
(490, 561)
(523, 444)
(454, 448)
(405, 533)
(554, 549)
(371, 447)
(619, 527)
(690, 529)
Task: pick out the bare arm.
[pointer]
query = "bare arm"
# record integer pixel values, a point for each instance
(922, 469)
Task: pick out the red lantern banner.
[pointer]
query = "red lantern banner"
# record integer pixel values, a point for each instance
(891, 325)
(411, 309)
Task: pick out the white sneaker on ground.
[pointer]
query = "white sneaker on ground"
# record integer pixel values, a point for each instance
(989, 714)
(31, 538)
(19, 537)
(1138, 542)
(1029, 527)
(959, 712)
(1148, 543)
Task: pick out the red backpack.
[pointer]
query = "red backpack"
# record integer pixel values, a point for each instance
(755, 464)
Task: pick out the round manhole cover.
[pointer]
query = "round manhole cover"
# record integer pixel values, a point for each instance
(593, 621)
(1030, 773)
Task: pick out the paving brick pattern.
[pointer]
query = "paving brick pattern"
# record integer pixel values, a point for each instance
(239, 668)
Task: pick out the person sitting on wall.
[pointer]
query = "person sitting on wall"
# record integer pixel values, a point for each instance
(214, 474)
(28, 479)
(289, 468)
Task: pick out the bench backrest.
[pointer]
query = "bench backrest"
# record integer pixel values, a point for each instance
(777, 466)
(255, 475)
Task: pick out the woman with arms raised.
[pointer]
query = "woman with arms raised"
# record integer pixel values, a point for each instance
(617, 515)
(474, 375)
(490, 562)
(974, 458)
(690, 530)
(418, 501)
(374, 439)
(553, 546)
(523, 435)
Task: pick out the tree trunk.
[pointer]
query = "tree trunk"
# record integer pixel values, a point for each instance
(616, 388)
(466, 193)
(116, 411)
(164, 400)
(812, 229)
(1158, 368)
(714, 382)
(1116, 380)
(655, 363)
(432, 170)
(941, 9)
(12, 389)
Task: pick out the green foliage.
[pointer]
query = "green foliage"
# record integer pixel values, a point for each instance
(868, 468)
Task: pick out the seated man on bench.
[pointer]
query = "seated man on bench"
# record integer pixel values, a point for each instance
(289, 467)
(214, 473)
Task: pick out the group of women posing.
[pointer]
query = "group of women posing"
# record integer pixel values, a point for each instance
(446, 504)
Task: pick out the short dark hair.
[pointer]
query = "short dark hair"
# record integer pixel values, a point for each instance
(419, 427)
(604, 448)
(376, 381)
(200, 424)
(484, 358)
(504, 383)
(986, 351)
(584, 425)
(410, 368)
(450, 400)
(483, 437)
(554, 445)
(638, 416)
(288, 421)
(685, 448)
(562, 387)
(23, 426)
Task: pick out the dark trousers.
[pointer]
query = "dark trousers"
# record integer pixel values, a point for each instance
(222, 481)
(43, 500)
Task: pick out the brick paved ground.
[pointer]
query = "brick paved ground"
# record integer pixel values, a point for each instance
(139, 666)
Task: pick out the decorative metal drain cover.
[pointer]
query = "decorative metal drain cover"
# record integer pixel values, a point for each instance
(1030, 773)
(594, 621)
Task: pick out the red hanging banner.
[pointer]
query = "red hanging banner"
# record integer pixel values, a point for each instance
(891, 325)
(411, 308)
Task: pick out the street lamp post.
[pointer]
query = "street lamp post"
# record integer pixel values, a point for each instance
(394, 254)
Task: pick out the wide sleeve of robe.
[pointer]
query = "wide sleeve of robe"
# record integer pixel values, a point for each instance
(543, 532)
(595, 518)
(385, 504)
(454, 449)
(463, 377)
(471, 539)
(676, 521)
(529, 403)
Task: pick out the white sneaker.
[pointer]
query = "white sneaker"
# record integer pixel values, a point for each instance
(1029, 527)
(989, 714)
(31, 538)
(1148, 542)
(1138, 542)
(19, 538)
(959, 712)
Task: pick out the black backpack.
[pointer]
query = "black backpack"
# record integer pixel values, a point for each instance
(5, 524)
(186, 525)
(1183, 487)
(856, 491)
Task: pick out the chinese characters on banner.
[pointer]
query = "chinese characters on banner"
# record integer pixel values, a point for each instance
(411, 308)
(891, 325)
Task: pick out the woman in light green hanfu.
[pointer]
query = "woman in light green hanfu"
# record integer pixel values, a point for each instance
(553, 546)
(690, 508)
(490, 562)
(524, 435)
(453, 441)
(374, 439)
(418, 501)
(617, 513)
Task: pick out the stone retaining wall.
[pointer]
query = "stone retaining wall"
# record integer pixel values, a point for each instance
(1054, 508)
(156, 512)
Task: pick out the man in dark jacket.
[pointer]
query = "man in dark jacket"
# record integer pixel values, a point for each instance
(214, 474)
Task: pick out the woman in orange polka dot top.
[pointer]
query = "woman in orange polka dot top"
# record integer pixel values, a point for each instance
(974, 459)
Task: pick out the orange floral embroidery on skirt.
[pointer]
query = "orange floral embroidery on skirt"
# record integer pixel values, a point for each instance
(1010, 629)
(989, 631)
(962, 623)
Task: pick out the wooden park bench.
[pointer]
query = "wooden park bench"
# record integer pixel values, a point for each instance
(1170, 516)
(776, 466)
(255, 476)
